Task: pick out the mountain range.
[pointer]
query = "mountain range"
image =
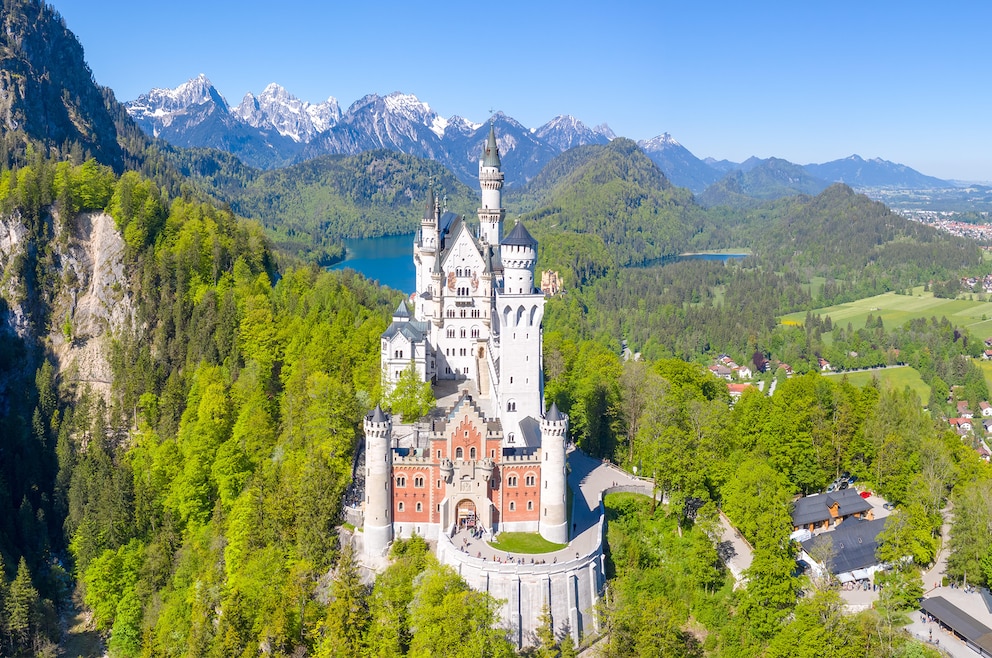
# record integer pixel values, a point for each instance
(275, 129)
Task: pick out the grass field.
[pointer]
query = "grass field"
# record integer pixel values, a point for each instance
(896, 310)
(897, 378)
(524, 542)
(986, 367)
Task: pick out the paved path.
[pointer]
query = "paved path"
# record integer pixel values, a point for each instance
(734, 550)
(588, 478)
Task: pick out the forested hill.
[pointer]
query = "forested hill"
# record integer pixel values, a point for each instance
(318, 202)
(615, 192)
(844, 235)
(772, 179)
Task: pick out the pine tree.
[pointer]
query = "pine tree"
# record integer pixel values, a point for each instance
(348, 613)
(22, 601)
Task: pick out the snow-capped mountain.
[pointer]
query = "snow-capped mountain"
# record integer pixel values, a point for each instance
(275, 128)
(682, 167)
(565, 132)
(187, 103)
(291, 117)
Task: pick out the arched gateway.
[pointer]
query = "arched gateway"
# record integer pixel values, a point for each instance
(465, 514)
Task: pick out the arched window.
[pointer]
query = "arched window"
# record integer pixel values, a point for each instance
(462, 335)
(529, 480)
(418, 482)
(459, 453)
(420, 507)
(471, 453)
(511, 405)
(530, 505)
(511, 481)
(513, 506)
(400, 481)
(399, 506)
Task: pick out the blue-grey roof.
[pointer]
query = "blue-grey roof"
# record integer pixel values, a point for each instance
(401, 311)
(853, 544)
(490, 155)
(816, 509)
(377, 415)
(553, 415)
(413, 330)
(519, 236)
(429, 206)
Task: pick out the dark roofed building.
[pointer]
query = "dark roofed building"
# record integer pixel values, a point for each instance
(822, 510)
(852, 546)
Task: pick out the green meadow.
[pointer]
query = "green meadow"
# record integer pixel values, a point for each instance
(896, 377)
(895, 310)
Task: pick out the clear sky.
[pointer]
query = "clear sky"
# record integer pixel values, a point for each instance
(806, 81)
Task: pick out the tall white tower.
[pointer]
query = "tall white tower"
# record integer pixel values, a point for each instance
(378, 483)
(491, 213)
(520, 311)
(554, 516)
(427, 246)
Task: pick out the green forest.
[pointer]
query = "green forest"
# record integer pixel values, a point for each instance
(193, 505)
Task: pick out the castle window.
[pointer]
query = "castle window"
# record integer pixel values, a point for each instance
(471, 452)
(398, 354)
(462, 313)
(475, 332)
(399, 506)
(475, 313)
(492, 454)
(458, 272)
(418, 482)
(459, 453)
(438, 484)
(529, 480)
(513, 505)
(511, 481)
(530, 505)
(462, 335)
(463, 352)
(400, 481)
(420, 507)
(511, 405)
(451, 332)
(465, 370)
(450, 313)
(511, 438)
(439, 454)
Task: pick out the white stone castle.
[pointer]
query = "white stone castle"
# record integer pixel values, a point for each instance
(491, 459)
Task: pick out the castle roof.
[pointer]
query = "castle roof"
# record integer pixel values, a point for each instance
(429, 206)
(377, 415)
(490, 156)
(401, 311)
(413, 330)
(519, 236)
(553, 415)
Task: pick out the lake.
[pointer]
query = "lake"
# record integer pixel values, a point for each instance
(389, 259)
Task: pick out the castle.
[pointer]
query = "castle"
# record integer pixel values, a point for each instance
(492, 459)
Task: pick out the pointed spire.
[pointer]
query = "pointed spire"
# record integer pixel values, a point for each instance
(429, 208)
(401, 311)
(553, 415)
(378, 415)
(491, 153)
(520, 236)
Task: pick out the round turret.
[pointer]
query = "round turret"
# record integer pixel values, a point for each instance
(554, 516)
(378, 480)
(518, 252)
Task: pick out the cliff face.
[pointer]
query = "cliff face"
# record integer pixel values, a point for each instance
(90, 302)
(46, 89)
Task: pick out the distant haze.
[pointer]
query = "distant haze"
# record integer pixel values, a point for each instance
(802, 81)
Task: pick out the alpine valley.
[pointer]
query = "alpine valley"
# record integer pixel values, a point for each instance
(188, 396)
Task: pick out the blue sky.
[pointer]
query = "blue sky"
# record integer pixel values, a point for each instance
(804, 81)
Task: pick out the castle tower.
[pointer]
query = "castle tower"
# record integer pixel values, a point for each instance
(491, 213)
(520, 310)
(378, 483)
(554, 516)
